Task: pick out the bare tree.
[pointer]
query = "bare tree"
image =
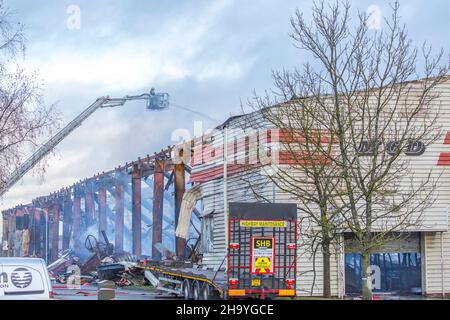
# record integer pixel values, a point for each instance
(24, 118)
(354, 119)
(304, 169)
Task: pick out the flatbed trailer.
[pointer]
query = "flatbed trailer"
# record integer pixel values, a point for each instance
(191, 283)
(261, 259)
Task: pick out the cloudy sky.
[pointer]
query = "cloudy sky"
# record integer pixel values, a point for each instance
(209, 55)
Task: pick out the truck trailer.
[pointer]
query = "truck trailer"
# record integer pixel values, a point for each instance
(261, 261)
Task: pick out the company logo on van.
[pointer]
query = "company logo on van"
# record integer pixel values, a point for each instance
(21, 278)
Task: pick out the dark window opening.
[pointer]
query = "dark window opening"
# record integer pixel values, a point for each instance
(398, 273)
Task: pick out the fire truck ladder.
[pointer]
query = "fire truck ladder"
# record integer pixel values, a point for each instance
(155, 101)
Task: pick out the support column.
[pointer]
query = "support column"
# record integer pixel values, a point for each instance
(4, 233)
(119, 218)
(48, 212)
(158, 205)
(89, 203)
(136, 210)
(12, 229)
(31, 231)
(77, 220)
(55, 232)
(27, 245)
(44, 233)
(37, 234)
(18, 235)
(180, 188)
(67, 220)
(102, 220)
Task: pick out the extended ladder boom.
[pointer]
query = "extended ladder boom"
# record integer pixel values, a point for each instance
(55, 140)
(155, 101)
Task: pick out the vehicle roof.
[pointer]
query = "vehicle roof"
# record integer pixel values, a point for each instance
(27, 261)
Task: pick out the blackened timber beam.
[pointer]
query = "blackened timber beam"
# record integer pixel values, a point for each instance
(119, 218)
(146, 204)
(136, 219)
(147, 220)
(6, 237)
(37, 234)
(4, 232)
(19, 219)
(102, 183)
(102, 219)
(13, 231)
(12, 227)
(127, 231)
(197, 213)
(144, 163)
(55, 232)
(67, 220)
(31, 230)
(18, 215)
(48, 213)
(169, 181)
(77, 220)
(167, 195)
(110, 213)
(158, 205)
(44, 233)
(89, 203)
(180, 188)
(39, 229)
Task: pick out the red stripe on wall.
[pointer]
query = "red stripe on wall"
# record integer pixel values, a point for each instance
(217, 172)
(292, 136)
(302, 158)
(447, 138)
(284, 158)
(444, 159)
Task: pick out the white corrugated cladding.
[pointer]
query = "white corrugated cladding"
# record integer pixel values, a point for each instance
(238, 190)
(437, 257)
(434, 219)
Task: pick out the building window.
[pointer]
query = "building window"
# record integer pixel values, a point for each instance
(398, 273)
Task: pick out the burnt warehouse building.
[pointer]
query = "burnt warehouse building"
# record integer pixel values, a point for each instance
(417, 258)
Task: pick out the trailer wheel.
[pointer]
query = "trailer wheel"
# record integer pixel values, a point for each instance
(206, 292)
(186, 288)
(196, 293)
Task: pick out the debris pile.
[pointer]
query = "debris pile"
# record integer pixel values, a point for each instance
(102, 264)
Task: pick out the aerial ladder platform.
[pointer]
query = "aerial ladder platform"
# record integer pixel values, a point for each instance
(155, 101)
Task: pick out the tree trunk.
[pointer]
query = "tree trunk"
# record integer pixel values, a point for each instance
(326, 270)
(366, 277)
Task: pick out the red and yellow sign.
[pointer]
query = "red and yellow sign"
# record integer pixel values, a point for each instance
(262, 255)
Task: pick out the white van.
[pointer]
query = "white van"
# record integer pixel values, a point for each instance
(24, 279)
